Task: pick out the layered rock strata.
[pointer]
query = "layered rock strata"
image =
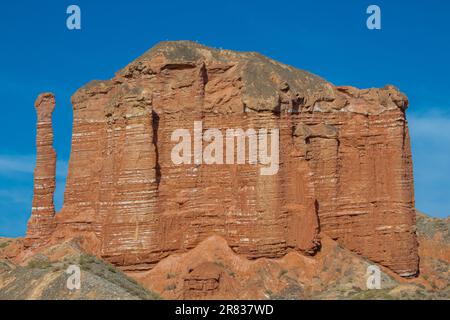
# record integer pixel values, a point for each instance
(345, 162)
(42, 223)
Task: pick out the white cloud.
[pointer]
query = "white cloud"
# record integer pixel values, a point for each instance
(430, 126)
(24, 164)
(17, 163)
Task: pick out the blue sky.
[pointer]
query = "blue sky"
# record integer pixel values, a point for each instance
(329, 38)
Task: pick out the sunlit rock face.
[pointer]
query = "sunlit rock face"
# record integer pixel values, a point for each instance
(344, 163)
(41, 224)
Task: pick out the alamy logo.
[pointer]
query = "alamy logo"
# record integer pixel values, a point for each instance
(73, 21)
(374, 20)
(374, 277)
(74, 279)
(263, 147)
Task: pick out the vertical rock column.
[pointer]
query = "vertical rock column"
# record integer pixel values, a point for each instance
(41, 223)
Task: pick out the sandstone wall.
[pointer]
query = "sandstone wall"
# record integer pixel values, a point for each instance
(345, 162)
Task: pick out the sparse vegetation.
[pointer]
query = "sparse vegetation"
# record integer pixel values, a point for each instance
(110, 273)
(381, 294)
(39, 264)
(111, 268)
(268, 293)
(86, 260)
(4, 244)
(294, 291)
(58, 267)
(282, 273)
(220, 263)
(171, 287)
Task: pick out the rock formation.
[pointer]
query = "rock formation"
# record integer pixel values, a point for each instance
(41, 224)
(212, 270)
(345, 164)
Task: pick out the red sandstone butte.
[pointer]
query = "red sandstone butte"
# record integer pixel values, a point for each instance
(345, 163)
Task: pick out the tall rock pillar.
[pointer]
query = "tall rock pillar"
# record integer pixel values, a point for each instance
(41, 223)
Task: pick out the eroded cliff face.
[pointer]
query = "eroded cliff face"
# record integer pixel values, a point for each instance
(345, 163)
